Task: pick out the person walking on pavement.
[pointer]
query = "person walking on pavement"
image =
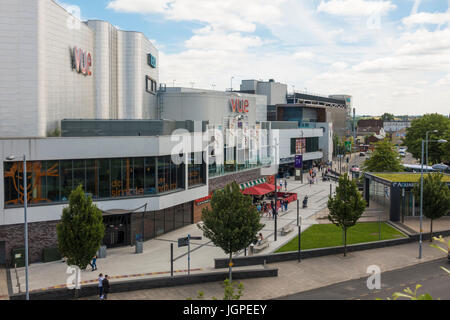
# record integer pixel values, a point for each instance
(105, 284)
(100, 285)
(94, 263)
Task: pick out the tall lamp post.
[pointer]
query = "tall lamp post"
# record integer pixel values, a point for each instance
(421, 191)
(25, 200)
(426, 147)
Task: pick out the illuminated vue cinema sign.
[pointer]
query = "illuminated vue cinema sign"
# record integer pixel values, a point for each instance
(239, 105)
(81, 61)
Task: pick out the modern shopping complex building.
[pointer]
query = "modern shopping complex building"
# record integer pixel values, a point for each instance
(83, 103)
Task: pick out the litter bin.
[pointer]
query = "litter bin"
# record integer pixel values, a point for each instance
(251, 250)
(139, 247)
(18, 257)
(101, 252)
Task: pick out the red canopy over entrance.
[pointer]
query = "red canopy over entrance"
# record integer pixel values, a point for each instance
(260, 189)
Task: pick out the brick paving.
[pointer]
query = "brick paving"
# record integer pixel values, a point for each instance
(296, 277)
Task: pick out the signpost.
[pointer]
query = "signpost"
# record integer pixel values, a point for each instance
(182, 242)
(299, 167)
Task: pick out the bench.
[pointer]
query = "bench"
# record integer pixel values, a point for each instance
(286, 229)
(260, 246)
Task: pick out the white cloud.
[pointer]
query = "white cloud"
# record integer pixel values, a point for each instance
(303, 55)
(386, 69)
(427, 18)
(222, 41)
(355, 7)
(444, 81)
(234, 15)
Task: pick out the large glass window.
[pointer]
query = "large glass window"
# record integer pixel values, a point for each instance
(104, 178)
(54, 180)
(196, 173)
(12, 183)
(79, 173)
(52, 189)
(150, 176)
(66, 179)
(163, 173)
(139, 174)
(127, 177)
(92, 178)
(116, 178)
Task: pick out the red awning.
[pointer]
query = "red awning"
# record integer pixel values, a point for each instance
(260, 189)
(269, 187)
(256, 191)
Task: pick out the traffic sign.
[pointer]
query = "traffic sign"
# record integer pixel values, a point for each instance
(183, 242)
(196, 238)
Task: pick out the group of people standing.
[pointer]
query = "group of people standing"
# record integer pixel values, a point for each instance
(268, 209)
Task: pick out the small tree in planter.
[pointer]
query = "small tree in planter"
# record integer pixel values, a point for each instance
(233, 221)
(81, 230)
(436, 198)
(346, 207)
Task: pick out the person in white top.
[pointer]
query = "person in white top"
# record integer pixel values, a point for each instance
(100, 285)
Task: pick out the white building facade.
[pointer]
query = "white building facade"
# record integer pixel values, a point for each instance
(55, 66)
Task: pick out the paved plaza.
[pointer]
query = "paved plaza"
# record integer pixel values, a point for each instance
(155, 260)
(293, 277)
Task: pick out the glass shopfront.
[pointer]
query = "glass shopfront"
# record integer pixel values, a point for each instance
(52, 181)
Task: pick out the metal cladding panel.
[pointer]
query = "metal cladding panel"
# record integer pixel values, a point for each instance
(38, 86)
(209, 106)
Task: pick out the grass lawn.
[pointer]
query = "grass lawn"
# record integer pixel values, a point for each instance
(328, 235)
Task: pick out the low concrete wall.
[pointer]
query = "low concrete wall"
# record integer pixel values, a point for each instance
(310, 253)
(133, 285)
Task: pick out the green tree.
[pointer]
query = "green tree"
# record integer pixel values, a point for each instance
(81, 229)
(387, 117)
(437, 152)
(233, 222)
(346, 207)
(436, 198)
(383, 159)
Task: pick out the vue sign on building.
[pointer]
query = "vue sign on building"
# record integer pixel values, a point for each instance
(81, 61)
(239, 105)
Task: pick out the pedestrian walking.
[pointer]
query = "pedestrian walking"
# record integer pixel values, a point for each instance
(100, 285)
(94, 263)
(258, 207)
(105, 284)
(286, 205)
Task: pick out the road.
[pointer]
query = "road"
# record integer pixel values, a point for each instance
(433, 279)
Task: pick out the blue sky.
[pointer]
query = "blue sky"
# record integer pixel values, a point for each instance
(391, 56)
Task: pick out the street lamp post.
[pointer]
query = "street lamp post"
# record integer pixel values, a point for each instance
(421, 191)
(426, 147)
(25, 200)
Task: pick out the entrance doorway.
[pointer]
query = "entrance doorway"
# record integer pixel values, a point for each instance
(2, 253)
(117, 230)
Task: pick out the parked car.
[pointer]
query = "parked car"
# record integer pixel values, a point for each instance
(362, 154)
